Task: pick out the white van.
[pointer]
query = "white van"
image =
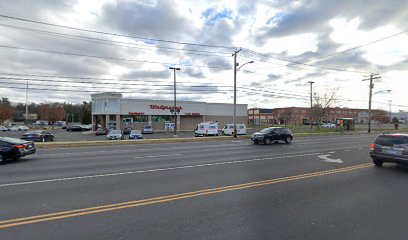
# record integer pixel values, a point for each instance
(229, 129)
(206, 129)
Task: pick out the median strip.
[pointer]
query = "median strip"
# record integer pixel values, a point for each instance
(162, 199)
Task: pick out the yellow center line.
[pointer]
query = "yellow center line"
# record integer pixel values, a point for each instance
(168, 198)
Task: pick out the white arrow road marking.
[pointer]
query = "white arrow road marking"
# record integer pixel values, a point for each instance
(326, 158)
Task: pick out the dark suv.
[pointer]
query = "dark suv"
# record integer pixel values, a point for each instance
(272, 134)
(389, 148)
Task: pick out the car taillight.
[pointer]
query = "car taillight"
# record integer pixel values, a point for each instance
(372, 146)
(19, 146)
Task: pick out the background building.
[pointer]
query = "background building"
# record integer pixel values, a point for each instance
(112, 110)
(260, 115)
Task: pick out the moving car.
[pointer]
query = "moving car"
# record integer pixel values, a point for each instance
(127, 130)
(272, 134)
(115, 135)
(147, 129)
(229, 129)
(389, 148)
(101, 131)
(14, 148)
(206, 129)
(38, 136)
(19, 128)
(3, 128)
(135, 134)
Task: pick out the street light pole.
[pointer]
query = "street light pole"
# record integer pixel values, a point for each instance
(235, 88)
(26, 107)
(175, 100)
(311, 104)
(371, 86)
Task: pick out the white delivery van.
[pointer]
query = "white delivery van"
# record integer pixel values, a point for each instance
(229, 129)
(206, 129)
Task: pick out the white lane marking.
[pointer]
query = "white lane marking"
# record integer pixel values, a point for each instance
(347, 150)
(326, 158)
(154, 170)
(154, 156)
(331, 152)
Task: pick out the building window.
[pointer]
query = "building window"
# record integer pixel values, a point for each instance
(137, 118)
(160, 118)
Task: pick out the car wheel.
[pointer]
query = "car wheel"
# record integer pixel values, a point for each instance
(378, 162)
(288, 140)
(267, 141)
(2, 158)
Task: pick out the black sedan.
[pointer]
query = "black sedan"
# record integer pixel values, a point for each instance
(38, 136)
(272, 134)
(390, 148)
(14, 148)
(76, 128)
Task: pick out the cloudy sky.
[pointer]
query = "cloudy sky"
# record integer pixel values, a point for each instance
(69, 49)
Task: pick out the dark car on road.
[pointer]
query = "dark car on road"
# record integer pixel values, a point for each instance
(38, 136)
(14, 148)
(272, 134)
(390, 148)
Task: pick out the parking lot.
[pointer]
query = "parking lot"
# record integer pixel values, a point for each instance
(61, 135)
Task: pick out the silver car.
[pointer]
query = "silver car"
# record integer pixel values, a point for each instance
(115, 135)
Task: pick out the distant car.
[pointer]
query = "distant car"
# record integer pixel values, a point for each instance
(328, 125)
(38, 136)
(101, 131)
(135, 134)
(272, 134)
(127, 130)
(75, 128)
(86, 127)
(3, 128)
(14, 148)
(13, 128)
(229, 129)
(23, 128)
(389, 148)
(115, 135)
(147, 129)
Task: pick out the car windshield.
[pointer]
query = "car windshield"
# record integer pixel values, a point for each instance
(267, 130)
(115, 132)
(147, 127)
(135, 132)
(12, 140)
(32, 132)
(390, 140)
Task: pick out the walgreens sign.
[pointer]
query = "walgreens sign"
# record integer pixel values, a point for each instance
(164, 107)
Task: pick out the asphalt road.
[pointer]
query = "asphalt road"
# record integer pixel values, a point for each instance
(314, 188)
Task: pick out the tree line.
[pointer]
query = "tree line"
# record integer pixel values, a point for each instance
(49, 111)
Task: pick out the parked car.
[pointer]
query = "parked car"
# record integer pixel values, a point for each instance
(18, 128)
(389, 148)
(3, 128)
(229, 129)
(75, 128)
(147, 129)
(38, 136)
(86, 127)
(135, 134)
(127, 130)
(272, 134)
(115, 135)
(14, 148)
(101, 131)
(328, 125)
(206, 129)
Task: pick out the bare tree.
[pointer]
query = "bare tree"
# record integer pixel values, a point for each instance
(286, 116)
(380, 116)
(322, 102)
(52, 112)
(6, 110)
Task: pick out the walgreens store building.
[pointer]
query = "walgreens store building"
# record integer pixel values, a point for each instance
(112, 110)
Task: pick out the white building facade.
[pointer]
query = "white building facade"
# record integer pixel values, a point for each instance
(112, 110)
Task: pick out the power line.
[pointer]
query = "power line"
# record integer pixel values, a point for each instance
(112, 34)
(109, 58)
(118, 43)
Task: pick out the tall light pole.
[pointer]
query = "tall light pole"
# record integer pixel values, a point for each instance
(175, 100)
(371, 86)
(26, 116)
(311, 104)
(235, 88)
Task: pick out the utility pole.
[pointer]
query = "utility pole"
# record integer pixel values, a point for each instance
(311, 104)
(371, 86)
(235, 91)
(390, 109)
(175, 100)
(26, 110)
